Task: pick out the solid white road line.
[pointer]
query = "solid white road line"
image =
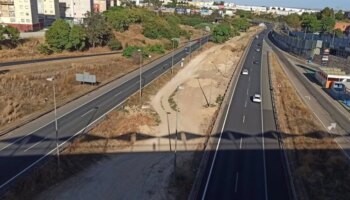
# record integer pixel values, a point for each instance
(87, 112)
(236, 184)
(54, 149)
(34, 144)
(118, 93)
(240, 143)
(218, 144)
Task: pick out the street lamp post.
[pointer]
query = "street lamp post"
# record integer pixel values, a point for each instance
(140, 52)
(52, 79)
(177, 119)
(172, 57)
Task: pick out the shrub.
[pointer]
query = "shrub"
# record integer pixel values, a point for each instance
(222, 33)
(114, 45)
(192, 20)
(159, 49)
(44, 49)
(131, 50)
(57, 37)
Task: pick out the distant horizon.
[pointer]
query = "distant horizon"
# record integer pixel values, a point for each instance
(306, 4)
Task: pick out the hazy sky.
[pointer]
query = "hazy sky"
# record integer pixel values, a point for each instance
(336, 4)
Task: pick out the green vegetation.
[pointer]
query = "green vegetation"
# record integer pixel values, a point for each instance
(44, 49)
(57, 37)
(240, 24)
(158, 49)
(11, 33)
(323, 21)
(230, 28)
(61, 36)
(130, 51)
(77, 38)
(114, 45)
(97, 29)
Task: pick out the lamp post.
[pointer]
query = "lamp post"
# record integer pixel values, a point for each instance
(52, 79)
(172, 57)
(179, 87)
(140, 52)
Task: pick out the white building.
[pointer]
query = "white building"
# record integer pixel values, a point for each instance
(75, 9)
(22, 14)
(48, 11)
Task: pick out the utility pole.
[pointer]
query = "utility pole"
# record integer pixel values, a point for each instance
(140, 52)
(52, 79)
(179, 87)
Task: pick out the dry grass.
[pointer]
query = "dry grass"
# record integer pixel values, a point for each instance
(320, 170)
(25, 92)
(27, 50)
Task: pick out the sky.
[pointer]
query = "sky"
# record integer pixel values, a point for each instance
(335, 4)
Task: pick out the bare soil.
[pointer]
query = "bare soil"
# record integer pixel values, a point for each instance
(320, 169)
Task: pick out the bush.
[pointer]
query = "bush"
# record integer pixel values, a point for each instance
(192, 20)
(222, 33)
(44, 49)
(159, 49)
(57, 37)
(114, 45)
(132, 50)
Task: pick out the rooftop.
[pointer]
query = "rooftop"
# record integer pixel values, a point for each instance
(333, 71)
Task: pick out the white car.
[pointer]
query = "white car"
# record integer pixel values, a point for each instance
(245, 72)
(258, 50)
(257, 98)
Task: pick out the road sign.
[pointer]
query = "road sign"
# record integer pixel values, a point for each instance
(86, 78)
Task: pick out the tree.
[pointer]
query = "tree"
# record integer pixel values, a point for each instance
(339, 15)
(240, 24)
(57, 36)
(77, 38)
(2, 33)
(326, 12)
(327, 24)
(97, 30)
(293, 20)
(12, 34)
(310, 23)
(222, 33)
(338, 32)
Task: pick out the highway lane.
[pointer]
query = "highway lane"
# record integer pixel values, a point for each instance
(245, 169)
(20, 152)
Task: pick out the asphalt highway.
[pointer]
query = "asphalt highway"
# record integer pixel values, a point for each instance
(21, 152)
(251, 167)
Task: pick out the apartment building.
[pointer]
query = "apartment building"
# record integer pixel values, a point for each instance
(48, 11)
(22, 14)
